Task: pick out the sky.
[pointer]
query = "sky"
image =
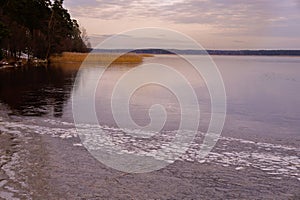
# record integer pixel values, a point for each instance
(215, 24)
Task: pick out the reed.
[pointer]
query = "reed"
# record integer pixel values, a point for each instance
(145, 55)
(97, 57)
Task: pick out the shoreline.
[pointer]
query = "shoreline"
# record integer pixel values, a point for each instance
(55, 167)
(105, 58)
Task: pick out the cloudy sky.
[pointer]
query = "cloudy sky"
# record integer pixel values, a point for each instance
(215, 24)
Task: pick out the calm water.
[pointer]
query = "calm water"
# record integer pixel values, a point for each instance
(261, 90)
(261, 131)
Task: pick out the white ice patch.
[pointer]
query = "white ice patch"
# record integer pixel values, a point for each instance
(274, 159)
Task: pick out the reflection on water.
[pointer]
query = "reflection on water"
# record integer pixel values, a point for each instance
(157, 90)
(44, 90)
(36, 91)
(262, 93)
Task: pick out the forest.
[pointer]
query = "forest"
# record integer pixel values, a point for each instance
(38, 29)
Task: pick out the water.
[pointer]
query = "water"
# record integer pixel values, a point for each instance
(257, 154)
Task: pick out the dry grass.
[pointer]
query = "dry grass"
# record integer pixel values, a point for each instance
(97, 57)
(146, 55)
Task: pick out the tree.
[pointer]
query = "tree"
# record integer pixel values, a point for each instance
(3, 34)
(85, 38)
(38, 27)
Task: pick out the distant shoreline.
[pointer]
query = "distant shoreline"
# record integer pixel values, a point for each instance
(205, 52)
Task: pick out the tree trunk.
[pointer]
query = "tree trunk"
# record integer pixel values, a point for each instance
(49, 33)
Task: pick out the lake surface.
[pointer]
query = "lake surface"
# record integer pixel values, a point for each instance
(258, 153)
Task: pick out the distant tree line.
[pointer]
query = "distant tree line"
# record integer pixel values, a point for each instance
(216, 52)
(205, 52)
(255, 52)
(38, 28)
